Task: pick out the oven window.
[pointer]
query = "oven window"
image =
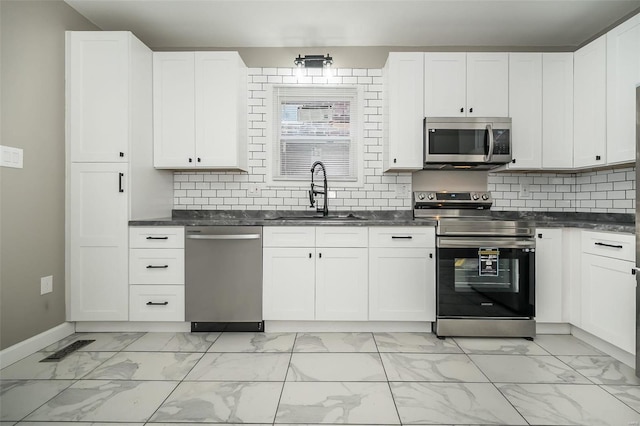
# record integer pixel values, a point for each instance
(498, 283)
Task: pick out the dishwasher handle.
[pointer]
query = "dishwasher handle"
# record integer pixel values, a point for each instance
(225, 237)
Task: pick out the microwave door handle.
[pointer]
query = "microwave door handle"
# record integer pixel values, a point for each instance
(489, 155)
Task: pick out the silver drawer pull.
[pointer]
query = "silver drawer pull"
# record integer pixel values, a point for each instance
(157, 266)
(157, 303)
(225, 237)
(609, 245)
(407, 237)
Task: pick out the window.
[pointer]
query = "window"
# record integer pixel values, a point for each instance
(319, 123)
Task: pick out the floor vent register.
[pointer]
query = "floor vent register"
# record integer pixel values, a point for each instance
(57, 356)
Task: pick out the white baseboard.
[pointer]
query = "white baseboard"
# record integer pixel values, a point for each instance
(553, 328)
(606, 347)
(130, 327)
(34, 344)
(345, 326)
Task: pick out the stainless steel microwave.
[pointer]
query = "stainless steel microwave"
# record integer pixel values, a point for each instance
(467, 142)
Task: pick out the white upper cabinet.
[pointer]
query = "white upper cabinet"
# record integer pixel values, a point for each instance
(525, 109)
(200, 110)
(623, 74)
(403, 86)
(466, 84)
(98, 64)
(487, 84)
(557, 110)
(445, 84)
(589, 126)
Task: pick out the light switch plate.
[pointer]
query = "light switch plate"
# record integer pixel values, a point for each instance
(11, 157)
(46, 284)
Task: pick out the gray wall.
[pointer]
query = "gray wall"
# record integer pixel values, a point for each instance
(32, 209)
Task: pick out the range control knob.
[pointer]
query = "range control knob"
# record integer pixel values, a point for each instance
(421, 196)
(431, 196)
(475, 197)
(485, 197)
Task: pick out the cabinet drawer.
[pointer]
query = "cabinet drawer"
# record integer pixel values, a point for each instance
(156, 237)
(402, 237)
(156, 303)
(289, 236)
(616, 245)
(156, 266)
(342, 236)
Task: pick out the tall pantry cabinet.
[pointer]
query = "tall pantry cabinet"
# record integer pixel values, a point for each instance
(110, 174)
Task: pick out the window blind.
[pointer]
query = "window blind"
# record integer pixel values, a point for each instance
(315, 124)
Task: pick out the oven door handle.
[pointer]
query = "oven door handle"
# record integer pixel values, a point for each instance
(456, 242)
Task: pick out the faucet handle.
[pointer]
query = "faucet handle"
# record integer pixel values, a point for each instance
(311, 198)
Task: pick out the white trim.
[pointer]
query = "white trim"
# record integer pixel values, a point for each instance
(606, 347)
(345, 326)
(33, 344)
(133, 326)
(553, 328)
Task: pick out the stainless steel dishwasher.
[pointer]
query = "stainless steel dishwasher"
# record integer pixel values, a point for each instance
(223, 278)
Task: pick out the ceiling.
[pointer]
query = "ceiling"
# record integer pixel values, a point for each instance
(163, 24)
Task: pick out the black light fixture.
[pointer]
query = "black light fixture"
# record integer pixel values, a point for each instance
(314, 61)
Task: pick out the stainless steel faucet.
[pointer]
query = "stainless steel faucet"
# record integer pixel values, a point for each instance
(314, 191)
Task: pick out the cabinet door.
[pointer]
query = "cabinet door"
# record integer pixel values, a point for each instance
(404, 86)
(98, 252)
(487, 84)
(525, 109)
(98, 95)
(557, 110)
(549, 266)
(623, 74)
(173, 110)
(341, 284)
(445, 78)
(289, 278)
(402, 284)
(590, 105)
(608, 300)
(217, 76)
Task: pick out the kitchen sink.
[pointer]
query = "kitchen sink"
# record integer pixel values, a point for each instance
(347, 217)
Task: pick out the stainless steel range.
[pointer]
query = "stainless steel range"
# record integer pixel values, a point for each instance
(485, 270)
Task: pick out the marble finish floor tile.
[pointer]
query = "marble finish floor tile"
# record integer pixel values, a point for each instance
(80, 424)
(146, 366)
(110, 342)
(414, 342)
(526, 369)
(565, 344)
(241, 367)
(336, 367)
(603, 370)
(566, 404)
(499, 346)
(103, 401)
(254, 342)
(335, 342)
(630, 395)
(409, 367)
(173, 342)
(453, 403)
(221, 402)
(18, 398)
(73, 366)
(336, 403)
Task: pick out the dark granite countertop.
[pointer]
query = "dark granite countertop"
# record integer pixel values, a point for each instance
(612, 222)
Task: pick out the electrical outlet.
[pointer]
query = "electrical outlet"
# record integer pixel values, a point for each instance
(402, 191)
(46, 284)
(11, 157)
(525, 191)
(254, 190)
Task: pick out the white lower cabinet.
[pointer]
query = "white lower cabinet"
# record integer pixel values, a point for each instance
(549, 275)
(156, 303)
(608, 300)
(341, 284)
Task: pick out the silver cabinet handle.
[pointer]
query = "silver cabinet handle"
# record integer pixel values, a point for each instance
(489, 155)
(225, 237)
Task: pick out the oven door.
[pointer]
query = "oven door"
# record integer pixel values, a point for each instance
(485, 277)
